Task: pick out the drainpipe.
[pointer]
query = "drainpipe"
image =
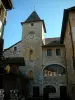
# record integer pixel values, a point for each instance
(4, 23)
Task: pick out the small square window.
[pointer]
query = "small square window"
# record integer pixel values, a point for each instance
(49, 52)
(31, 51)
(58, 52)
(32, 24)
(15, 48)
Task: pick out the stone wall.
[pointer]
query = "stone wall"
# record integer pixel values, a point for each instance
(10, 52)
(69, 50)
(57, 80)
(54, 59)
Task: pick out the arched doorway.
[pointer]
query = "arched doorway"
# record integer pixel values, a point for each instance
(48, 89)
(63, 92)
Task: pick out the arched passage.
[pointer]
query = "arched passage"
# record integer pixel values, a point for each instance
(53, 70)
(48, 89)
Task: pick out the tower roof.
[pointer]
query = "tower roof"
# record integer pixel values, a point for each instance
(34, 18)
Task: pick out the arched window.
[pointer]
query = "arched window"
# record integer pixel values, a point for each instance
(49, 89)
(53, 70)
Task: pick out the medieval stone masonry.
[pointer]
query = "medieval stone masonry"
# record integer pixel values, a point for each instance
(49, 62)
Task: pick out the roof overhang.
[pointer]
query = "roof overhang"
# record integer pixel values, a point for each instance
(53, 45)
(7, 4)
(14, 61)
(64, 22)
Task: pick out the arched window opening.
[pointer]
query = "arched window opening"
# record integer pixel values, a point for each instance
(49, 89)
(53, 70)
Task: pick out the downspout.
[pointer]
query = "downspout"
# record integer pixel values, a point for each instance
(2, 37)
(2, 31)
(3, 28)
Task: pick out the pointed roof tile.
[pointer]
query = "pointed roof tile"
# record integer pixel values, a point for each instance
(33, 17)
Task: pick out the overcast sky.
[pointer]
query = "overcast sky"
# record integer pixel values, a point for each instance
(49, 10)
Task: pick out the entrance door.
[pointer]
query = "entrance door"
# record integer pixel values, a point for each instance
(1, 77)
(47, 90)
(63, 92)
(36, 91)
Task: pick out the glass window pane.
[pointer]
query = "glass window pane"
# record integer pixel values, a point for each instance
(49, 52)
(57, 52)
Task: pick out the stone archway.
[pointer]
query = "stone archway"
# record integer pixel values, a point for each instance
(48, 89)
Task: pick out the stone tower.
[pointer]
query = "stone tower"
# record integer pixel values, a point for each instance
(33, 31)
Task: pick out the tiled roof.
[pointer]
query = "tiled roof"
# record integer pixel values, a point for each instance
(72, 8)
(7, 4)
(48, 42)
(15, 60)
(33, 17)
(12, 46)
(52, 42)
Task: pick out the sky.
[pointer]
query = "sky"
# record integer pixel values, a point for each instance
(51, 11)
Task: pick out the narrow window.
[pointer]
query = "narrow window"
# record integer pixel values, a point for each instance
(15, 48)
(36, 91)
(31, 54)
(45, 73)
(32, 24)
(49, 52)
(57, 52)
(31, 51)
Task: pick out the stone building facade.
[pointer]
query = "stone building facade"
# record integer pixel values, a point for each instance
(68, 39)
(48, 61)
(4, 6)
(14, 51)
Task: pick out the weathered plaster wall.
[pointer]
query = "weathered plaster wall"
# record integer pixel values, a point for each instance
(11, 53)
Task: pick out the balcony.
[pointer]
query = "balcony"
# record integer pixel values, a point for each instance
(55, 79)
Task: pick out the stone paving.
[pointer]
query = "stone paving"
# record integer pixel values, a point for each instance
(48, 99)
